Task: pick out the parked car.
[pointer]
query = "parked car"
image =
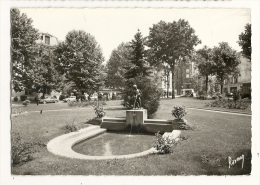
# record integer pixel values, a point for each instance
(48, 100)
(70, 99)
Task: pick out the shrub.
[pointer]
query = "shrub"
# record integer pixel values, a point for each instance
(150, 94)
(83, 98)
(62, 96)
(15, 98)
(164, 145)
(71, 127)
(18, 111)
(99, 110)
(179, 111)
(229, 104)
(23, 97)
(22, 151)
(26, 102)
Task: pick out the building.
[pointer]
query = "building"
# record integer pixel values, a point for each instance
(241, 82)
(48, 39)
(182, 79)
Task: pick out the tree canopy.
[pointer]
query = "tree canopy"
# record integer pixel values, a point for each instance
(225, 61)
(138, 63)
(204, 63)
(23, 49)
(117, 64)
(171, 43)
(79, 58)
(245, 41)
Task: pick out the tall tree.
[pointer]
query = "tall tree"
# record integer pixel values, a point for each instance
(44, 76)
(245, 41)
(79, 58)
(225, 61)
(139, 65)
(205, 64)
(171, 43)
(23, 49)
(117, 64)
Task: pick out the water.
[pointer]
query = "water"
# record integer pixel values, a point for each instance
(109, 144)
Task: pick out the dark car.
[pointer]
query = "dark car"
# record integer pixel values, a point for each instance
(48, 100)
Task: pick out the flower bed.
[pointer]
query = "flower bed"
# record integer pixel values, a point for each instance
(229, 104)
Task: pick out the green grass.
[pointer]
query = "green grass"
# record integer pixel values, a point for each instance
(215, 137)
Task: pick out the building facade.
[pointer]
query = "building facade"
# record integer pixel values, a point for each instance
(241, 82)
(48, 39)
(182, 79)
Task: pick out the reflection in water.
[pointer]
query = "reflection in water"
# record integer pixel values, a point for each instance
(109, 144)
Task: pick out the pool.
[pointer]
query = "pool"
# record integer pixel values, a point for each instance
(115, 143)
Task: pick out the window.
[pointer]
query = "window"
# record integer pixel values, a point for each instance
(47, 40)
(187, 75)
(235, 79)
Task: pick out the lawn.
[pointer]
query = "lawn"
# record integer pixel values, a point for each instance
(204, 152)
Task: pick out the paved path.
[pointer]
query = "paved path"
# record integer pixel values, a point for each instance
(221, 111)
(118, 107)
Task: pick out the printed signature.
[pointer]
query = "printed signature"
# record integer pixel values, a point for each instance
(233, 162)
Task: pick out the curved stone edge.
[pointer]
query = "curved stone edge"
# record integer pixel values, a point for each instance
(62, 145)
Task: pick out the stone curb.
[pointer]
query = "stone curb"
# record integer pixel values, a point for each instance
(221, 111)
(62, 145)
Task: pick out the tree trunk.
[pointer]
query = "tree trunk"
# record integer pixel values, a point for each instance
(168, 85)
(207, 79)
(173, 90)
(221, 84)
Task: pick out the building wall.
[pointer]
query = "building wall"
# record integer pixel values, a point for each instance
(48, 39)
(232, 84)
(182, 78)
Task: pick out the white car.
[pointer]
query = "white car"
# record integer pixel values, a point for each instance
(70, 99)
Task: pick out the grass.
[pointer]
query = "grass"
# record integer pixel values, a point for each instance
(215, 137)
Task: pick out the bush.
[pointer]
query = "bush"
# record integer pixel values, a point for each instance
(26, 102)
(99, 110)
(22, 151)
(71, 127)
(150, 95)
(23, 97)
(164, 145)
(18, 112)
(62, 96)
(83, 98)
(229, 104)
(179, 111)
(84, 103)
(15, 98)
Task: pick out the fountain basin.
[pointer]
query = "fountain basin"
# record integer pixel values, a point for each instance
(62, 145)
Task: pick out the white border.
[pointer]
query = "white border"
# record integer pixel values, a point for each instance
(6, 178)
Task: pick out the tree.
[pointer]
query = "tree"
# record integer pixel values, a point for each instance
(245, 41)
(225, 61)
(44, 76)
(23, 49)
(139, 66)
(171, 43)
(79, 58)
(204, 64)
(117, 64)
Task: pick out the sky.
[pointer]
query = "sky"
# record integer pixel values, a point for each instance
(112, 26)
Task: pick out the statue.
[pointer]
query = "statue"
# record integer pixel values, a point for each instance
(137, 96)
